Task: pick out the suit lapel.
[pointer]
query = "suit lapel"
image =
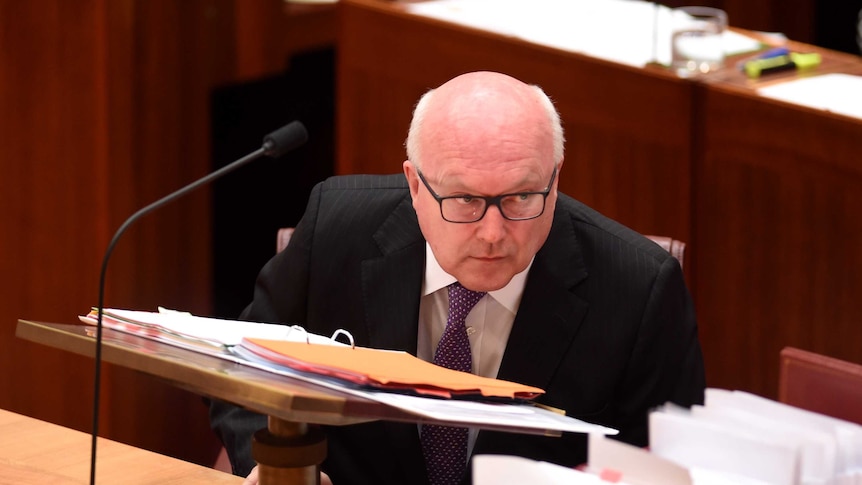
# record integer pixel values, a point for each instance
(391, 286)
(392, 282)
(546, 324)
(549, 314)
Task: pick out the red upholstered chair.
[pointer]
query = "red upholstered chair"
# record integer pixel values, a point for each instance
(674, 246)
(282, 238)
(821, 384)
(222, 462)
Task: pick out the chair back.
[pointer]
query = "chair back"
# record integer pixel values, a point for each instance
(282, 238)
(675, 247)
(822, 384)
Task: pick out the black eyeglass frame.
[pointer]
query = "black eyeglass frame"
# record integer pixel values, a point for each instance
(489, 201)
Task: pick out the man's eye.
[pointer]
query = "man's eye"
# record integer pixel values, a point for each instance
(465, 199)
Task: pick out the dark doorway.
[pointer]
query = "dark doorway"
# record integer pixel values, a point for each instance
(252, 203)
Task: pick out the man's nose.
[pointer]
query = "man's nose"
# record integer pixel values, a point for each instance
(492, 227)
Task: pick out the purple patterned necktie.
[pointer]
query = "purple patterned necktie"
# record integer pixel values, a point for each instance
(445, 447)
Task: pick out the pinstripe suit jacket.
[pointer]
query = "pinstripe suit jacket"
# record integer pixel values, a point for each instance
(605, 325)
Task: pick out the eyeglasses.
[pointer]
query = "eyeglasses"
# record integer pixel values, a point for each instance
(519, 206)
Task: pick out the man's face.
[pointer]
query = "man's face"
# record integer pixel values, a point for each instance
(486, 254)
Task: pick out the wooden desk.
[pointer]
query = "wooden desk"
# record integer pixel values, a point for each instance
(766, 194)
(34, 451)
(290, 405)
(291, 449)
(777, 194)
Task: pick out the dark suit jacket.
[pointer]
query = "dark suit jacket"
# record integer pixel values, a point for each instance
(605, 326)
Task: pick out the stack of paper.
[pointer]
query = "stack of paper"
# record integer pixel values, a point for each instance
(197, 333)
(297, 355)
(514, 470)
(754, 438)
(736, 438)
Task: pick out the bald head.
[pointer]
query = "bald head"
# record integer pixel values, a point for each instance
(481, 106)
(484, 138)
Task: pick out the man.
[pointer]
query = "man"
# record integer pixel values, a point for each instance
(578, 305)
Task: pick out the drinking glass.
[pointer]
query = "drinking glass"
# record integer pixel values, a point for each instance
(696, 39)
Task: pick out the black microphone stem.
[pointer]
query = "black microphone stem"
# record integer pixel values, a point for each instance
(155, 205)
(275, 144)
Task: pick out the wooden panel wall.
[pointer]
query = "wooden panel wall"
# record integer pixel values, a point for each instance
(104, 108)
(777, 236)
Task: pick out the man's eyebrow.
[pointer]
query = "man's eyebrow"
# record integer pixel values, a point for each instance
(457, 188)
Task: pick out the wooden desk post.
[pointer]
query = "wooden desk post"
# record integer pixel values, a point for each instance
(289, 452)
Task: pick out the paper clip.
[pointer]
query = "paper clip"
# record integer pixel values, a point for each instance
(300, 328)
(341, 331)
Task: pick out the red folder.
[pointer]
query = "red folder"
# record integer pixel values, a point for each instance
(385, 370)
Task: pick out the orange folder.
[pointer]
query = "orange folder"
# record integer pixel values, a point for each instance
(384, 369)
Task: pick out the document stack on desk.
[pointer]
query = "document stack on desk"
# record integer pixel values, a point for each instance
(209, 335)
(736, 438)
(751, 437)
(395, 378)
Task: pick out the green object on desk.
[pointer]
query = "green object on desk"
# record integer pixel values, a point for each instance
(794, 60)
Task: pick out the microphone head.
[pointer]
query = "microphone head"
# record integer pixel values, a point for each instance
(285, 139)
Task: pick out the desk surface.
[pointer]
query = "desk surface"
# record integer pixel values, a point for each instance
(34, 451)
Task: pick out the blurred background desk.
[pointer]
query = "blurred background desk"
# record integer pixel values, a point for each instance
(777, 194)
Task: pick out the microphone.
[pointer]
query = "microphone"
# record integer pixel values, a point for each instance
(274, 145)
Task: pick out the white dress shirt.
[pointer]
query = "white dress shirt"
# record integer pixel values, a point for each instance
(488, 324)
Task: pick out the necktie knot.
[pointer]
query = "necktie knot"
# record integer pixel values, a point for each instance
(453, 350)
(462, 300)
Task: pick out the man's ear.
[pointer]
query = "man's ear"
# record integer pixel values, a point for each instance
(412, 178)
(559, 169)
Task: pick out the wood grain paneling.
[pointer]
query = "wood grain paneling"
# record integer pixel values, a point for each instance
(104, 108)
(777, 235)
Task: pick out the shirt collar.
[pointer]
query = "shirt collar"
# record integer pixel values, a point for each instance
(436, 278)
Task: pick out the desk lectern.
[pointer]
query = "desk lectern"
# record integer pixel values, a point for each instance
(291, 448)
(289, 451)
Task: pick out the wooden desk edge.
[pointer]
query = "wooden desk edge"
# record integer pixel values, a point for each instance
(310, 406)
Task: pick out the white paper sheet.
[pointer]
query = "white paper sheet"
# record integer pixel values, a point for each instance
(696, 443)
(515, 470)
(636, 465)
(630, 32)
(838, 93)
